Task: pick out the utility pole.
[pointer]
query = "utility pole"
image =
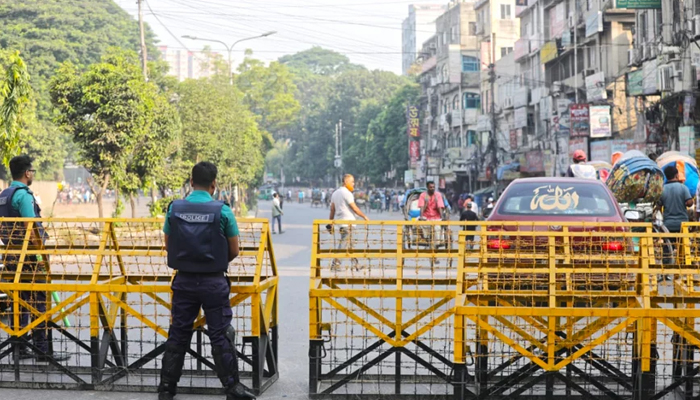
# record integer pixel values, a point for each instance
(494, 135)
(576, 51)
(144, 54)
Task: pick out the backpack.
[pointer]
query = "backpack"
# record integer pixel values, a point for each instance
(583, 171)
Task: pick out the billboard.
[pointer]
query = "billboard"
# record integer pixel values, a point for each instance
(635, 83)
(549, 52)
(579, 120)
(601, 125)
(639, 4)
(595, 87)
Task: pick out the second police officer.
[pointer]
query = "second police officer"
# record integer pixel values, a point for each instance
(201, 238)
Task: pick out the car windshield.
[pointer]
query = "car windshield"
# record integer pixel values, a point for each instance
(541, 199)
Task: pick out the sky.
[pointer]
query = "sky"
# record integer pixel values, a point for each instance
(368, 32)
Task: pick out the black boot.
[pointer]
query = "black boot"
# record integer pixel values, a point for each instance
(173, 360)
(238, 392)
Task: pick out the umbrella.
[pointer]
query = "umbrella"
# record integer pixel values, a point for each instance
(687, 167)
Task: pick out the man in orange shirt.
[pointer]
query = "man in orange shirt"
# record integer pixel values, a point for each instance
(431, 204)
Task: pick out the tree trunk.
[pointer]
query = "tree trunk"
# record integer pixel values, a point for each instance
(132, 201)
(100, 209)
(153, 195)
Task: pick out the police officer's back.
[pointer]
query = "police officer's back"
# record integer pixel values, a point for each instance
(201, 238)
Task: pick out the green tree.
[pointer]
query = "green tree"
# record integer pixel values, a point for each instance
(217, 126)
(268, 91)
(49, 32)
(15, 103)
(107, 110)
(319, 61)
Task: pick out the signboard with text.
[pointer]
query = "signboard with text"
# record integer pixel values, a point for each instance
(549, 52)
(413, 121)
(579, 120)
(595, 87)
(601, 125)
(639, 4)
(635, 83)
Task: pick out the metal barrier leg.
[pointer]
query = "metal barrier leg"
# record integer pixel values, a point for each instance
(460, 382)
(689, 360)
(397, 374)
(481, 362)
(315, 356)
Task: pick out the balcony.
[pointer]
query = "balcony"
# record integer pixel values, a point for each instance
(471, 79)
(469, 116)
(521, 48)
(456, 118)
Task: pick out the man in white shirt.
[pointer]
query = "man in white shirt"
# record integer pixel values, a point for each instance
(343, 208)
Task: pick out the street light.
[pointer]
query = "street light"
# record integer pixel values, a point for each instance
(230, 48)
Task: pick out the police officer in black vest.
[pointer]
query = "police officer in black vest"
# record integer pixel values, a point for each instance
(201, 237)
(17, 201)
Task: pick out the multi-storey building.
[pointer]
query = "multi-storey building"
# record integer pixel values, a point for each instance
(188, 64)
(418, 27)
(451, 99)
(664, 83)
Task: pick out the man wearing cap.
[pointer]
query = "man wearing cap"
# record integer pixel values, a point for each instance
(489, 208)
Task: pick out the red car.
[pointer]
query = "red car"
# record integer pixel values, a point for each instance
(553, 200)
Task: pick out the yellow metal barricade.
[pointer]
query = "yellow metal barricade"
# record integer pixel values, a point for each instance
(381, 301)
(587, 310)
(108, 306)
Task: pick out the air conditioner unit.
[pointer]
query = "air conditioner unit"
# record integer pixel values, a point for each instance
(665, 78)
(696, 26)
(677, 70)
(631, 57)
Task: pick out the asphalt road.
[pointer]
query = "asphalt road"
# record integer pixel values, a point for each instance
(293, 255)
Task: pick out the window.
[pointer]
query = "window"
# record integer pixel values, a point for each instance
(505, 51)
(470, 64)
(453, 35)
(505, 11)
(472, 101)
(444, 38)
(455, 102)
(472, 28)
(444, 106)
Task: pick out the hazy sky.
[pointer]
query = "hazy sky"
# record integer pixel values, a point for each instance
(368, 32)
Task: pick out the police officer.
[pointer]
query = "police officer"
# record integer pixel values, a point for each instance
(201, 237)
(18, 201)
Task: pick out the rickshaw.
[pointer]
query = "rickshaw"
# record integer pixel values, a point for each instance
(316, 198)
(416, 237)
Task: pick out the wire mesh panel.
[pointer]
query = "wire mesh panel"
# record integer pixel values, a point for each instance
(382, 295)
(100, 291)
(587, 310)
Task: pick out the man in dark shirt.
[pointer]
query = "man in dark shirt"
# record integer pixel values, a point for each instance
(469, 215)
(675, 199)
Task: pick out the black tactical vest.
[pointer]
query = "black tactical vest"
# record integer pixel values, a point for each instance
(196, 243)
(13, 233)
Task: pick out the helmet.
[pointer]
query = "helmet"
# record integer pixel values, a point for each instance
(579, 155)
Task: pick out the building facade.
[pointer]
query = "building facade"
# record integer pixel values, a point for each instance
(185, 64)
(418, 27)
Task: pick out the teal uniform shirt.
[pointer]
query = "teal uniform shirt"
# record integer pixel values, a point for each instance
(23, 201)
(228, 221)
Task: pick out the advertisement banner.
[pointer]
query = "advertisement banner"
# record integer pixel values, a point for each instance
(414, 150)
(595, 87)
(650, 85)
(594, 23)
(534, 162)
(579, 120)
(601, 150)
(549, 51)
(408, 176)
(601, 126)
(413, 121)
(564, 116)
(688, 107)
(686, 139)
(635, 83)
(513, 139)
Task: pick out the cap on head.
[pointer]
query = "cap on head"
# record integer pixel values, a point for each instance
(579, 156)
(490, 198)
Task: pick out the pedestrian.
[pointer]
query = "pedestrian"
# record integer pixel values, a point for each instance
(675, 199)
(579, 168)
(281, 199)
(468, 215)
(301, 196)
(469, 200)
(276, 213)
(343, 208)
(489, 208)
(201, 237)
(18, 201)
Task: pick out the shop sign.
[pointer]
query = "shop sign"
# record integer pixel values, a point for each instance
(639, 4)
(601, 150)
(549, 51)
(650, 84)
(414, 150)
(579, 120)
(577, 144)
(413, 121)
(520, 117)
(520, 98)
(601, 125)
(635, 83)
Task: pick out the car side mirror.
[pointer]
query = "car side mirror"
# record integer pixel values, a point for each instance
(633, 215)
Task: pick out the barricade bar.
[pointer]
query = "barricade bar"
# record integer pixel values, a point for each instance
(108, 306)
